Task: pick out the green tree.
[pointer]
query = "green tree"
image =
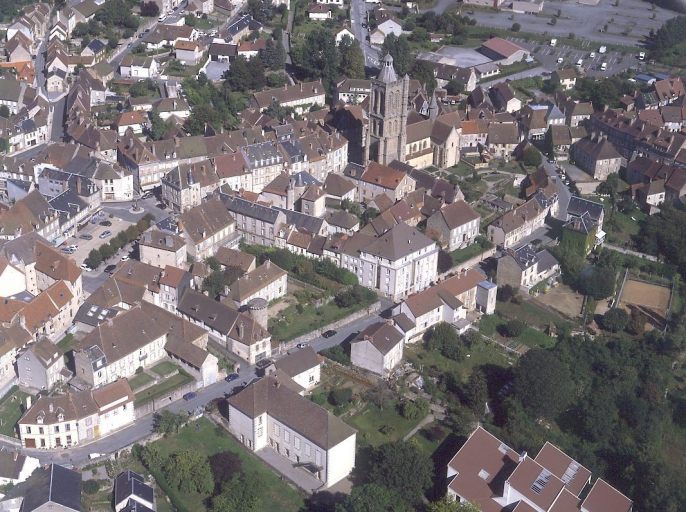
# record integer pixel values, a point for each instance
(94, 259)
(274, 55)
(455, 87)
(188, 472)
(150, 9)
(514, 328)
(352, 58)
(373, 498)
(444, 338)
(516, 27)
(414, 409)
(260, 10)
(158, 127)
(446, 504)
(224, 467)
(191, 20)
(401, 467)
(476, 392)
(532, 157)
(598, 282)
(543, 383)
(321, 57)
(424, 72)
(615, 320)
(240, 494)
(340, 396)
(166, 422)
(399, 49)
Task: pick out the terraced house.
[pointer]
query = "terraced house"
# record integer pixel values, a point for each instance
(207, 227)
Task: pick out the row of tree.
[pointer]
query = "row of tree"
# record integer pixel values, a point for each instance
(106, 251)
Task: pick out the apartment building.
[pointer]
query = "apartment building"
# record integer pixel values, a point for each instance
(160, 249)
(457, 225)
(41, 366)
(77, 417)
(268, 282)
(206, 228)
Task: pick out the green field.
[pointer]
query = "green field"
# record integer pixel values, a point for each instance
(140, 380)
(207, 439)
(378, 426)
(12, 407)
(162, 388)
(164, 368)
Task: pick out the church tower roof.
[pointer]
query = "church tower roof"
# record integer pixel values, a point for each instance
(387, 74)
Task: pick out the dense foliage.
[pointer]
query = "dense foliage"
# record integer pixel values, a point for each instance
(444, 338)
(667, 42)
(402, 468)
(211, 105)
(664, 234)
(604, 93)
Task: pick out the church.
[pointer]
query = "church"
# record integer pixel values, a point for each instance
(419, 137)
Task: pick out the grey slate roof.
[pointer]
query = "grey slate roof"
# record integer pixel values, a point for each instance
(213, 314)
(399, 242)
(298, 362)
(578, 206)
(129, 484)
(53, 484)
(242, 206)
(302, 221)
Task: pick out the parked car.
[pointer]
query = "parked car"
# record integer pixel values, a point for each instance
(86, 236)
(329, 333)
(231, 377)
(68, 250)
(303, 345)
(190, 396)
(105, 234)
(125, 257)
(109, 269)
(106, 223)
(85, 268)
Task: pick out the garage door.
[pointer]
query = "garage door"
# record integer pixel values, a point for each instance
(30, 443)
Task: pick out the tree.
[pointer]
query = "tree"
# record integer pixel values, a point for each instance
(373, 498)
(320, 58)
(446, 504)
(516, 27)
(158, 127)
(166, 422)
(414, 409)
(423, 71)
(402, 468)
(506, 293)
(340, 396)
(514, 328)
(444, 338)
(274, 56)
(553, 21)
(260, 10)
(598, 282)
(399, 49)
(240, 494)
(246, 75)
(352, 58)
(224, 467)
(532, 157)
(150, 9)
(455, 87)
(476, 392)
(188, 472)
(615, 320)
(543, 383)
(94, 259)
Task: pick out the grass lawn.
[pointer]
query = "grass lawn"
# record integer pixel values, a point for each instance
(164, 368)
(162, 388)
(208, 439)
(140, 380)
(67, 343)
(461, 169)
(529, 313)
(293, 324)
(461, 255)
(481, 353)
(11, 409)
(376, 427)
(491, 325)
(620, 227)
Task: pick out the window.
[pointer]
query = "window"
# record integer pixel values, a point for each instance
(40, 430)
(287, 436)
(42, 443)
(28, 430)
(276, 430)
(307, 448)
(67, 427)
(296, 442)
(259, 432)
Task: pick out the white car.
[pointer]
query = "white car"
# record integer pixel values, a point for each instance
(86, 268)
(125, 257)
(591, 55)
(559, 60)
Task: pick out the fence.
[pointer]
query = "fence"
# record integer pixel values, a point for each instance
(158, 403)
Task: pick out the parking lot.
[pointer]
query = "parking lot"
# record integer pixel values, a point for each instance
(591, 66)
(86, 246)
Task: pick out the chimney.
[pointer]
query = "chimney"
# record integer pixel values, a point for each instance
(28, 402)
(51, 408)
(522, 456)
(240, 329)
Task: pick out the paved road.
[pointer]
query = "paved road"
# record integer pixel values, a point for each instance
(358, 16)
(537, 71)
(57, 128)
(143, 426)
(563, 192)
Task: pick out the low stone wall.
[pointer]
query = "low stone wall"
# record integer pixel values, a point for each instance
(158, 403)
(373, 308)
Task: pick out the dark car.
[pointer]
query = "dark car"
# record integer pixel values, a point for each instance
(106, 223)
(189, 396)
(161, 206)
(231, 377)
(109, 269)
(86, 236)
(329, 333)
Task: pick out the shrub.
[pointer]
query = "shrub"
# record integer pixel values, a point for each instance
(91, 486)
(615, 320)
(340, 396)
(514, 328)
(338, 354)
(506, 293)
